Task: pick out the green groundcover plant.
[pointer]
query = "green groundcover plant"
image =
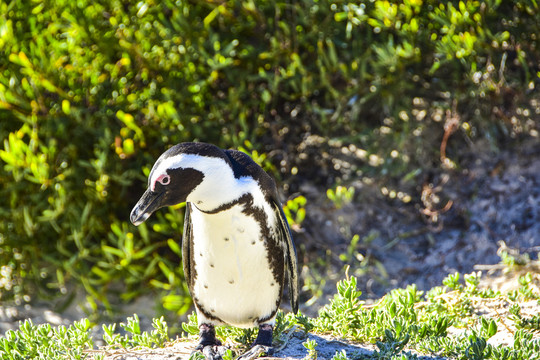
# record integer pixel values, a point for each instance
(448, 321)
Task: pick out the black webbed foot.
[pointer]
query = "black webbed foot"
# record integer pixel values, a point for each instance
(209, 345)
(262, 345)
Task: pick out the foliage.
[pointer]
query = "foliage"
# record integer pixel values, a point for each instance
(340, 196)
(46, 342)
(532, 323)
(295, 211)
(133, 336)
(407, 319)
(341, 355)
(513, 260)
(311, 346)
(91, 92)
(73, 342)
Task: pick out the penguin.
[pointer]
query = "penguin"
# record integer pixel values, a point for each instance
(237, 247)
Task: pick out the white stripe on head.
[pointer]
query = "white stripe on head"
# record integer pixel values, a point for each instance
(205, 164)
(219, 186)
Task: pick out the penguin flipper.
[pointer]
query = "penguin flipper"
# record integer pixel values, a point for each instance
(291, 262)
(187, 248)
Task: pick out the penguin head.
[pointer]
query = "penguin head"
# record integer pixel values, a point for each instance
(186, 172)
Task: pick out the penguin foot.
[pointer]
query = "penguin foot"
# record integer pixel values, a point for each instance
(257, 351)
(262, 345)
(208, 344)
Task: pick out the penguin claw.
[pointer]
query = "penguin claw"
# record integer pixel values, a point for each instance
(257, 351)
(211, 352)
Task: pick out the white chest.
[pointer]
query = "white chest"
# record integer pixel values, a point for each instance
(234, 280)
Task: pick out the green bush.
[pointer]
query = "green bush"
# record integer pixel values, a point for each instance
(91, 92)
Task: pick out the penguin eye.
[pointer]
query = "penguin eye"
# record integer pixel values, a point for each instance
(164, 179)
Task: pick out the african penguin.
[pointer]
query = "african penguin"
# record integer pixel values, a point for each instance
(237, 246)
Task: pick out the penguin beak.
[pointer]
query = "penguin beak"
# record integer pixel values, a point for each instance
(148, 203)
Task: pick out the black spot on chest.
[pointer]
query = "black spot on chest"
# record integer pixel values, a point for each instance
(274, 250)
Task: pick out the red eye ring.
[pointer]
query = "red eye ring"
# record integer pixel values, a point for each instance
(164, 179)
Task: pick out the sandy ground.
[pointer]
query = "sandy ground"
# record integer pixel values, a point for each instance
(327, 347)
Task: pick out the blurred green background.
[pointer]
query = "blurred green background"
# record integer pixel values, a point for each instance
(92, 92)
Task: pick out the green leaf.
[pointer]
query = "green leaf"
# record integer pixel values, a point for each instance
(114, 251)
(173, 245)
